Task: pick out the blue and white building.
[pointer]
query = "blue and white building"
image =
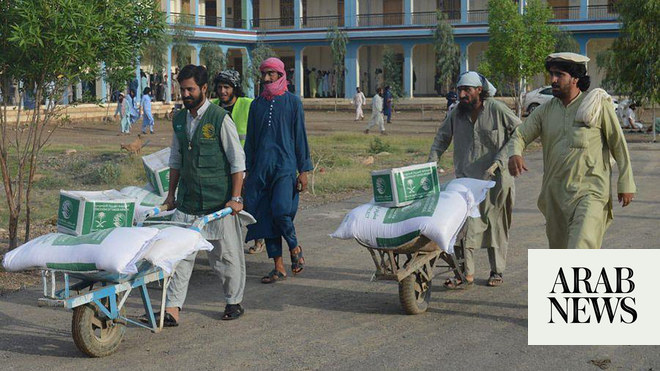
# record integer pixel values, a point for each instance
(297, 30)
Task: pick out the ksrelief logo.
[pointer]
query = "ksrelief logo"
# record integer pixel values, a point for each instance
(208, 131)
(66, 209)
(118, 220)
(425, 183)
(380, 186)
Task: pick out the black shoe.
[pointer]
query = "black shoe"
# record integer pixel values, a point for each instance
(168, 321)
(232, 311)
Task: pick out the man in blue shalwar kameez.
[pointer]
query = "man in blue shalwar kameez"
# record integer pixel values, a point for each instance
(277, 162)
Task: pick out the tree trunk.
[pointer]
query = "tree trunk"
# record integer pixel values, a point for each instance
(13, 230)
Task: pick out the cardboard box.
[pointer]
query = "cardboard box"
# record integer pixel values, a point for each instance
(401, 186)
(82, 212)
(157, 167)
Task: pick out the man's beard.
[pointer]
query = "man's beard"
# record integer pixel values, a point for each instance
(469, 106)
(559, 93)
(230, 98)
(191, 102)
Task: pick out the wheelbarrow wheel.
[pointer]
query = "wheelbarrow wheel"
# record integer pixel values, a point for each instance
(414, 294)
(95, 334)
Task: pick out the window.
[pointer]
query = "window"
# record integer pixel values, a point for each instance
(547, 91)
(452, 8)
(286, 12)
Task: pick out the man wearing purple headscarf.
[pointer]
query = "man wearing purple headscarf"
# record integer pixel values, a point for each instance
(277, 162)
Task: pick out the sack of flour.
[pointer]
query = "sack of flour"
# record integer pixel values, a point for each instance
(114, 250)
(438, 217)
(172, 244)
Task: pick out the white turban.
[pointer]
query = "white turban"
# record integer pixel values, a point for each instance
(473, 79)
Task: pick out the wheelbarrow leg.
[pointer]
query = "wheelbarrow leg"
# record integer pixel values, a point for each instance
(147, 307)
(161, 320)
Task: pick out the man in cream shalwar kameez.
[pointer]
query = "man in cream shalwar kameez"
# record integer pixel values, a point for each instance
(578, 131)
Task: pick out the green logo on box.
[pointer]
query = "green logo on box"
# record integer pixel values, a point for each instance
(382, 188)
(68, 213)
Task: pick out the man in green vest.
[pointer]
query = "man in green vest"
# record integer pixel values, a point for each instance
(207, 163)
(230, 97)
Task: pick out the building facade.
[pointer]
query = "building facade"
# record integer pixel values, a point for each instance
(297, 31)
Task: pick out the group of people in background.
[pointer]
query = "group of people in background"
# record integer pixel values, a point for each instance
(322, 84)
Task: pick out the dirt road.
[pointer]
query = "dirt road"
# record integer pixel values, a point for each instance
(333, 317)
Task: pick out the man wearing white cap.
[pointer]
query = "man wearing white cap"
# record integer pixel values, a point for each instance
(480, 127)
(578, 132)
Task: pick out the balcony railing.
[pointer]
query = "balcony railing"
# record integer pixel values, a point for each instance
(478, 16)
(272, 23)
(566, 12)
(325, 21)
(431, 19)
(602, 12)
(382, 19)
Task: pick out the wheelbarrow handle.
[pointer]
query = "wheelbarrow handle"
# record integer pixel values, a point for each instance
(204, 220)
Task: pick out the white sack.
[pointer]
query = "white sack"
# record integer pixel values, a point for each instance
(173, 244)
(438, 217)
(114, 250)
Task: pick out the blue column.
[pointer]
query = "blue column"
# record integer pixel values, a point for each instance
(104, 88)
(138, 93)
(168, 11)
(196, 4)
(582, 41)
(299, 72)
(464, 56)
(407, 11)
(247, 64)
(247, 13)
(168, 90)
(584, 9)
(223, 22)
(350, 15)
(407, 70)
(465, 7)
(297, 13)
(352, 68)
(197, 49)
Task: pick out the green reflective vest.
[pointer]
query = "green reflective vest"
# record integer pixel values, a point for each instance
(205, 182)
(239, 115)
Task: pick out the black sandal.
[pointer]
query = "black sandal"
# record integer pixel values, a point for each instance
(232, 311)
(168, 321)
(273, 276)
(495, 279)
(297, 261)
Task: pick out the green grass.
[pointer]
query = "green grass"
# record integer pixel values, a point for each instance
(339, 157)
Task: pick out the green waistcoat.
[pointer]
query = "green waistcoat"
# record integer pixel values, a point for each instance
(205, 182)
(239, 115)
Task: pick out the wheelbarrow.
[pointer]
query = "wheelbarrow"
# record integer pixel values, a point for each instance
(413, 266)
(98, 298)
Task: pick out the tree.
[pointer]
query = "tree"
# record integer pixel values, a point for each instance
(519, 43)
(259, 54)
(632, 64)
(338, 40)
(447, 53)
(182, 31)
(212, 56)
(392, 75)
(565, 42)
(45, 45)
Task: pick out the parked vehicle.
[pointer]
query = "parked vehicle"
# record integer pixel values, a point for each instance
(536, 97)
